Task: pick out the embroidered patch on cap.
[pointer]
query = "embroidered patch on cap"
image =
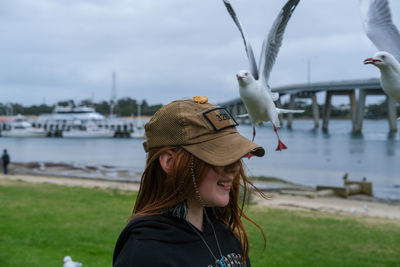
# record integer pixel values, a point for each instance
(219, 118)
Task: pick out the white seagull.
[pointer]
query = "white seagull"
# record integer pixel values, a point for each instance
(380, 29)
(69, 263)
(253, 85)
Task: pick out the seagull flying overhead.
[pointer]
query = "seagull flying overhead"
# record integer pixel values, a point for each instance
(380, 29)
(253, 84)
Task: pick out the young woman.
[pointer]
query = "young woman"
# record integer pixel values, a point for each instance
(187, 212)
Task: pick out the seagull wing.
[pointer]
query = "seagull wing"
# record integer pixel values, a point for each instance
(249, 50)
(273, 41)
(378, 25)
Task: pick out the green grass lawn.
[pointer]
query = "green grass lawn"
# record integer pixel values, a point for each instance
(42, 223)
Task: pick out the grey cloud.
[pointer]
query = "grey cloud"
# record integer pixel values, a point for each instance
(162, 50)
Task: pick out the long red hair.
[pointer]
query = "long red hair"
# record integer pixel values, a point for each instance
(160, 191)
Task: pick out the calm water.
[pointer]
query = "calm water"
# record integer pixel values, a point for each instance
(312, 158)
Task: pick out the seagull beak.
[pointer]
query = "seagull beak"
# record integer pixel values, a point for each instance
(370, 60)
(239, 77)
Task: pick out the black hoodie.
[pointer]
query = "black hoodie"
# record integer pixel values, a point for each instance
(158, 240)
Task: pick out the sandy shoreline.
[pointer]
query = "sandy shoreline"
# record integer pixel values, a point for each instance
(352, 207)
(71, 181)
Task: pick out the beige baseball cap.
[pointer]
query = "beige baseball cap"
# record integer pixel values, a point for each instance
(204, 130)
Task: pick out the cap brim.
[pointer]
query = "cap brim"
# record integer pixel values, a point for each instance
(224, 150)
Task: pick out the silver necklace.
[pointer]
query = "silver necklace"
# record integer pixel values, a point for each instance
(218, 262)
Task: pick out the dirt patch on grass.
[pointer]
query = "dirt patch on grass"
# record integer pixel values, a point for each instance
(334, 205)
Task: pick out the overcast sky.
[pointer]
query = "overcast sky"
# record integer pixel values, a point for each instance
(161, 50)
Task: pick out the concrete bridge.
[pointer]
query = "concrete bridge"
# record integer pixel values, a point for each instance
(310, 90)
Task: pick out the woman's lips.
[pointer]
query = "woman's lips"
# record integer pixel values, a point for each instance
(225, 185)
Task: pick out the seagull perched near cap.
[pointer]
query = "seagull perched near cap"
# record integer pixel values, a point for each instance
(380, 29)
(253, 85)
(69, 263)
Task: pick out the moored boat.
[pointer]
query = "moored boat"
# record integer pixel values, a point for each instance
(21, 127)
(87, 130)
(83, 122)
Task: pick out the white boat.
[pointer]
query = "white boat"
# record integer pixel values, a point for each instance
(21, 127)
(138, 132)
(87, 130)
(69, 114)
(83, 121)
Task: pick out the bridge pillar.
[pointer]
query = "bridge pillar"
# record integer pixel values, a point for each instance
(392, 114)
(315, 110)
(280, 115)
(327, 111)
(230, 110)
(357, 127)
(290, 115)
(353, 109)
(235, 109)
(243, 110)
(239, 108)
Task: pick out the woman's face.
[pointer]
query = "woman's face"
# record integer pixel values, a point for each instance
(215, 186)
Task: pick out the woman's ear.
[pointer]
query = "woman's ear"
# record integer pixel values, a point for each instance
(166, 160)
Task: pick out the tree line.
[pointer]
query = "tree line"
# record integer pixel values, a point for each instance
(122, 107)
(128, 106)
